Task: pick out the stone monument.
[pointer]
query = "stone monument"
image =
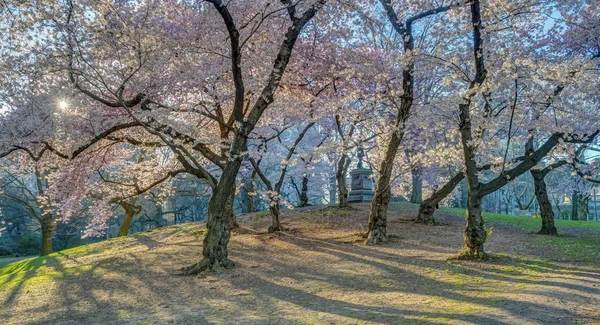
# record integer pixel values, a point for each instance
(361, 185)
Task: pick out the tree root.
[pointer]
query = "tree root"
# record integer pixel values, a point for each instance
(273, 229)
(204, 265)
(376, 236)
(472, 255)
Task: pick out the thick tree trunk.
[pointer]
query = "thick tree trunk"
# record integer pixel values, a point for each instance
(47, 232)
(546, 211)
(416, 195)
(426, 211)
(217, 234)
(340, 175)
(378, 217)
(274, 209)
(475, 234)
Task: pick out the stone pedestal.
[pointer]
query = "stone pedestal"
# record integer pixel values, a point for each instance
(361, 186)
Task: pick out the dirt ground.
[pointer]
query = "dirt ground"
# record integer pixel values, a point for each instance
(317, 272)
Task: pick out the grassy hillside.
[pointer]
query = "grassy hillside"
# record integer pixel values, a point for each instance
(317, 272)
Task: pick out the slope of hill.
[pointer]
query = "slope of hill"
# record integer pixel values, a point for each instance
(317, 272)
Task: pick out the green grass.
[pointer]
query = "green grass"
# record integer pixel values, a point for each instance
(527, 224)
(569, 245)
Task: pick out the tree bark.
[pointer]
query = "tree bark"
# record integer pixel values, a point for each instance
(233, 224)
(378, 217)
(426, 211)
(250, 193)
(575, 206)
(475, 234)
(130, 210)
(304, 193)
(546, 212)
(274, 210)
(340, 175)
(47, 233)
(124, 228)
(428, 206)
(379, 205)
(417, 187)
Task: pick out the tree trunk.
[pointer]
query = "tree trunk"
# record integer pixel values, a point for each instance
(583, 207)
(546, 211)
(340, 175)
(378, 216)
(250, 193)
(428, 206)
(381, 199)
(475, 234)
(217, 234)
(426, 211)
(124, 228)
(229, 213)
(274, 209)
(130, 211)
(379, 205)
(47, 232)
(417, 187)
(575, 206)
(304, 193)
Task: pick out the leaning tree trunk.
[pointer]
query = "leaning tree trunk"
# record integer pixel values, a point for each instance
(47, 232)
(274, 209)
(541, 194)
(340, 175)
(381, 199)
(428, 206)
(130, 211)
(124, 228)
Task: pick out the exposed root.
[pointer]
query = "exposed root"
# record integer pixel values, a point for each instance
(469, 254)
(429, 222)
(273, 228)
(376, 236)
(204, 265)
(546, 231)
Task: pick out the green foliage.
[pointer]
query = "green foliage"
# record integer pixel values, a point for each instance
(4, 252)
(29, 244)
